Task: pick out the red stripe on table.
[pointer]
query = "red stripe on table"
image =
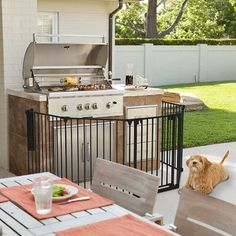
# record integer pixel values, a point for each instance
(127, 225)
(24, 198)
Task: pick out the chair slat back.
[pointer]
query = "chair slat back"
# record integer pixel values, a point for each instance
(200, 214)
(128, 187)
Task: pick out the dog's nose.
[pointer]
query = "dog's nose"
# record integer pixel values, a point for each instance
(194, 162)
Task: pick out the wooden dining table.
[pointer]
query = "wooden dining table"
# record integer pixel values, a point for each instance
(16, 221)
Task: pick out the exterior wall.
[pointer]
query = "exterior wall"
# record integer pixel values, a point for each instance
(163, 65)
(2, 96)
(81, 17)
(88, 17)
(18, 23)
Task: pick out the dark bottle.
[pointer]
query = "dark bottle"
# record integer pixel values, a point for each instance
(129, 80)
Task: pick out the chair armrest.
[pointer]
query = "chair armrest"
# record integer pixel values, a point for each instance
(155, 217)
(172, 227)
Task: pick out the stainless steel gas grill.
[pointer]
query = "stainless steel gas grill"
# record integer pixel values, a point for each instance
(72, 77)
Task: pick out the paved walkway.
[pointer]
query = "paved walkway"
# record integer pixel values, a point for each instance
(168, 201)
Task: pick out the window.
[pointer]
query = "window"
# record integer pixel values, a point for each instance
(47, 24)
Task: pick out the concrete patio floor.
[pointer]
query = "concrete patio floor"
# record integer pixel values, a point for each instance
(5, 174)
(168, 201)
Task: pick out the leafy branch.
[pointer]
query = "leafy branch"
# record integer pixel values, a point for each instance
(178, 17)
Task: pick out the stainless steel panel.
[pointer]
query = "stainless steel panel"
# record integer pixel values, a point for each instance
(146, 133)
(114, 102)
(63, 55)
(77, 147)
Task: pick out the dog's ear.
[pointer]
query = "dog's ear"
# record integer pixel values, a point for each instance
(207, 163)
(187, 162)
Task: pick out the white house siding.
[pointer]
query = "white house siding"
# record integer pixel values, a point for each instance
(163, 65)
(18, 23)
(88, 17)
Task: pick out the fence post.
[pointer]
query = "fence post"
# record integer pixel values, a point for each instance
(202, 64)
(148, 49)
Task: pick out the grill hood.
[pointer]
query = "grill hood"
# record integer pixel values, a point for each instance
(52, 56)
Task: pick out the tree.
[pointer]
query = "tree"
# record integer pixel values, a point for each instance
(151, 19)
(233, 2)
(139, 19)
(202, 19)
(198, 19)
(130, 21)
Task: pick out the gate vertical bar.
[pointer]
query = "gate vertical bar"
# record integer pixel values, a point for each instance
(135, 143)
(30, 136)
(180, 142)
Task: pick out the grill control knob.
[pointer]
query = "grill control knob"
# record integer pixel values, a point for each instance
(64, 108)
(80, 107)
(86, 106)
(95, 106)
(108, 105)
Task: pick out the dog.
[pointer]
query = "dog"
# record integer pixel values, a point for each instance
(205, 175)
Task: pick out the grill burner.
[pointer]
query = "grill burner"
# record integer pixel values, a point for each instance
(72, 76)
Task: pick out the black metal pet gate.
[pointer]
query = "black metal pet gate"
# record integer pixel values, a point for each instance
(68, 147)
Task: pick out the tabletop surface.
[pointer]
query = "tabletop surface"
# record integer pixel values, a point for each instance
(16, 221)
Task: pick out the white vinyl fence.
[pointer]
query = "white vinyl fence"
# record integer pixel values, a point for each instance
(163, 65)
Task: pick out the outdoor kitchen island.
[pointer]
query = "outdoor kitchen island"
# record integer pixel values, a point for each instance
(136, 103)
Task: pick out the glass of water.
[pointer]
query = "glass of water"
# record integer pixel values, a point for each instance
(42, 190)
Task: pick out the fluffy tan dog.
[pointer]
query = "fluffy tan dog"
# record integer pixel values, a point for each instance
(205, 175)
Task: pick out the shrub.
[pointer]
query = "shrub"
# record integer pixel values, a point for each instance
(140, 41)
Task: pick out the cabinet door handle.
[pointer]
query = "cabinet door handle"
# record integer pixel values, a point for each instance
(88, 152)
(82, 152)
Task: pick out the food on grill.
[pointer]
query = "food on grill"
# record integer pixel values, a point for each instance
(98, 86)
(89, 87)
(86, 87)
(72, 88)
(70, 81)
(81, 86)
(58, 191)
(103, 86)
(56, 89)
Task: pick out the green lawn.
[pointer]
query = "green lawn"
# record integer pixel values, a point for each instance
(216, 123)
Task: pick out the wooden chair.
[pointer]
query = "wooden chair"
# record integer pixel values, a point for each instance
(200, 214)
(130, 188)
